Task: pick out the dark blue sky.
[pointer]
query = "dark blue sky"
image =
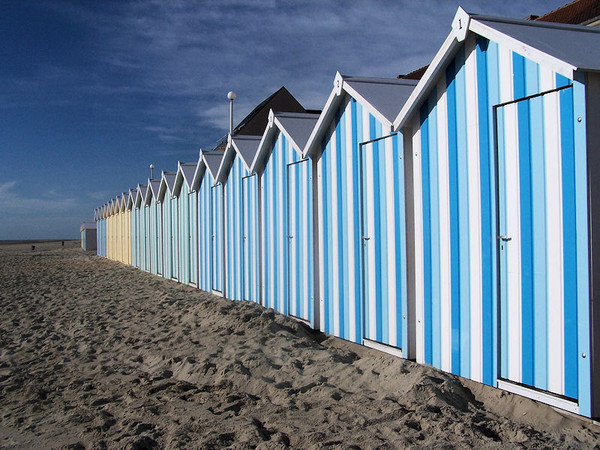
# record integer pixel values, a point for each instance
(92, 92)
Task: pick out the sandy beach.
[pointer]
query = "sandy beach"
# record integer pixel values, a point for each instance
(96, 354)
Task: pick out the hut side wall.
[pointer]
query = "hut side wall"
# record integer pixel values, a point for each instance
(362, 282)
(532, 286)
(287, 273)
(241, 233)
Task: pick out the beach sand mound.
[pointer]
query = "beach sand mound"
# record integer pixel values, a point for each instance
(96, 354)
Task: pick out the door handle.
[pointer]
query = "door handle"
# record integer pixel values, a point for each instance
(365, 238)
(504, 238)
(290, 236)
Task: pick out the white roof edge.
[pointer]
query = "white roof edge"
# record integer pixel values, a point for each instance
(199, 164)
(223, 158)
(326, 111)
(268, 131)
(426, 81)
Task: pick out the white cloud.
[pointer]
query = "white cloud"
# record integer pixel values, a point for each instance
(50, 202)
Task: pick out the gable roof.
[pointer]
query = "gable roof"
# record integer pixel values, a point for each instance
(141, 194)
(296, 127)
(167, 183)
(113, 206)
(564, 48)
(185, 174)
(255, 122)
(131, 198)
(383, 97)
(152, 190)
(245, 147)
(213, 161)
(579, 12)
(206, 160)
(123, 200)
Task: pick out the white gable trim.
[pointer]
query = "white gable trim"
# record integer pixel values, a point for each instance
(428, 80)
(323, 123)
(269, 130)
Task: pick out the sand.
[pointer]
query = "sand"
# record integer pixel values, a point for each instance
(97, 354)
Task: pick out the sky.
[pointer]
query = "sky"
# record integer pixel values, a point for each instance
(93, 92)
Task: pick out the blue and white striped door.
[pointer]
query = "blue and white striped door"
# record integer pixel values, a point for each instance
(249, 235)
(299, 225)
(174, 238)
(216, 197)
(537, 243)
(382, 238)
(193, 228)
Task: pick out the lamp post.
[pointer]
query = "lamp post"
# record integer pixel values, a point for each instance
(231, 96)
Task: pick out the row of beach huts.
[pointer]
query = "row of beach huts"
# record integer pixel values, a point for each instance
(453, 219)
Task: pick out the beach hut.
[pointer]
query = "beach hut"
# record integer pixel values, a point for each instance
(170, 226)
(154, 227)
(124, 242)
(133, 229)
(100, 232)
(359, 202)
(143, 223)
(210, 222)
(240, 198)
(125, 230)
(286, 214)
(110, 230)
(107, 214)
(501, 136)
(187, 211)
(104, 230)
(88, 235)
(116, 228)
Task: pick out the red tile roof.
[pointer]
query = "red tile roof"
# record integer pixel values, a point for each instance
(578, 12)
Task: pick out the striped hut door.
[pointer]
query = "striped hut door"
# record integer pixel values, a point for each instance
(248, 237)
(193, 227)
(159, 237)
(536, 243)
(381, 239)
(174, 240)
(299, 221)
(216, 237)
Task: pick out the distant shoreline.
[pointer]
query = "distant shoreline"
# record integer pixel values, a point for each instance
(32, 241)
